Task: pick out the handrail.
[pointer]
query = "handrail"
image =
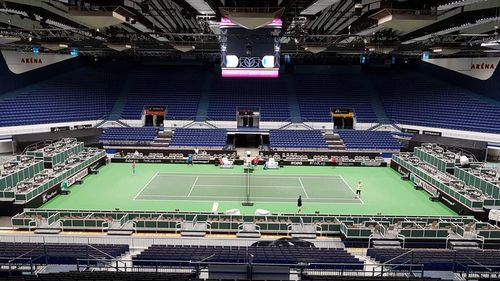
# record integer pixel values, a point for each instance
(36, 248)
(402, 237)
(307, 267)
(396, 257)
(106, 254)
(103, 225)
(482, 239)
(471, 259)
(36, 144)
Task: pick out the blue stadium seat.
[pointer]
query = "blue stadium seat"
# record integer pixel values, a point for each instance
(58, 253)
(85, 94)
(182, 255)
(373, 140)
(128, 135)
(179, 90)
(413, 98)
(268, 95)
(442, 260)
(318, 94)
(199, 138)
(297, 139)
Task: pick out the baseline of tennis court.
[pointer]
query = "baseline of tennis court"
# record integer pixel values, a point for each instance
(234, 188)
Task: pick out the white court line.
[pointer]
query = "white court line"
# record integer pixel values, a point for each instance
(162, 174)
(242, 186)
(144, 187)
(239, 198)
(236, 198)
(303, 188)
(211, 200)
(253, 176)
(359, 198)
(192, 186)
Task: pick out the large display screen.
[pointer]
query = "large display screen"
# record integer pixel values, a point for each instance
(250, 53)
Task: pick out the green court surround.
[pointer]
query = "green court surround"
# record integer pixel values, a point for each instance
(115, 187)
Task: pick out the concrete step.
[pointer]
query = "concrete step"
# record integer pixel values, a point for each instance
(193, 233)
(456, 245)
(386, 244)
(303, 235)
(47, 231)
(120, 232)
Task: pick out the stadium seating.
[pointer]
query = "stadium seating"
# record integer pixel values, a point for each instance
(410, 98)
(199, 137)
(318, 94)
(164, 276)
(182, 255)
(58, 253)
(105, 276)
(458, 260)
(268, 95)
(178, 90)
(375, 140)
(86, 94)
(128, 135)
(416, 99)
(296, 139)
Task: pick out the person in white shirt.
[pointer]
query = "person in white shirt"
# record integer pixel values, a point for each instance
(358, 190)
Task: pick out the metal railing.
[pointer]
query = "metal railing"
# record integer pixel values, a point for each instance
(304, 268)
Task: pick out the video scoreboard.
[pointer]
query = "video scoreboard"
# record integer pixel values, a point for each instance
(250, 52)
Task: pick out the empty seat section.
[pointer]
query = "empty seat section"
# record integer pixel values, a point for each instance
(268, 95)
(459, 260)
(84, 94)
(296, 139)
(128, 135)
(182, 255)
(318, 94)
(58, 253)
(179, 90)
(354, 139)
(215, 138)
(416, 99)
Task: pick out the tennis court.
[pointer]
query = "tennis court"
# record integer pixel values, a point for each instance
(236, 187)
(170, 187)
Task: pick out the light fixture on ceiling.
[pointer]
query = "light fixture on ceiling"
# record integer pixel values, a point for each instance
(315, 49)
(184, 48)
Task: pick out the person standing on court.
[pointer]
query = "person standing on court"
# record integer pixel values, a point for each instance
(190, 159)
(358, 190)
(133, 168)
(299, 204)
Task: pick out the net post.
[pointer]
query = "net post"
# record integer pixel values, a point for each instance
(247, 201)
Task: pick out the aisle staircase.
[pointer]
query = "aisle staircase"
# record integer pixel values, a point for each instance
(293, 102)
(201, 114)
(334, 141)
(163, 139)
